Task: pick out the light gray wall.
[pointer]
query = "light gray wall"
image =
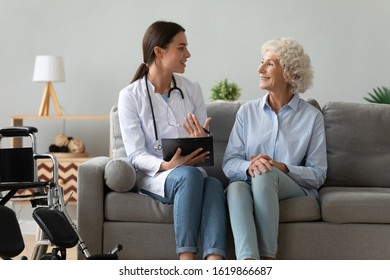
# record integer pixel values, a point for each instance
(100, 41)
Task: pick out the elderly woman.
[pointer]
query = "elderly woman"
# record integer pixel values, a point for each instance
(276, 150)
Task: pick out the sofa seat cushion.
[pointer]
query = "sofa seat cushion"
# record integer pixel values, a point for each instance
(299, 209)
(343, 205)
(134, 207)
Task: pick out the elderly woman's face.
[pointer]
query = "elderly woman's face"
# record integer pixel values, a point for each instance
(271, 73)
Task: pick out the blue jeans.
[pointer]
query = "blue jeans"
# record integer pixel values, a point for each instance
(254, 212)
(199, 211)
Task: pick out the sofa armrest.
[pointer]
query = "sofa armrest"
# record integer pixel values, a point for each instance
(90, 210)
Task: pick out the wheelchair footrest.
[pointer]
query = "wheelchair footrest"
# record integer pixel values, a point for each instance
(56, 226)
(11, 239)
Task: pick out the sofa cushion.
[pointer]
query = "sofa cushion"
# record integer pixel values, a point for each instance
(299, 209)
(355, 205)
(117, 146)
(223, 116)
(135, 207)
(313, 102)
(119, 175)
(358, 148)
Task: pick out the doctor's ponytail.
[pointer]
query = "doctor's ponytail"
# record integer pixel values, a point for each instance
(160, 34)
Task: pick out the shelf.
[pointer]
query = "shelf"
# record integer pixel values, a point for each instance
(70, 155)
(62, 117)
(17, 120)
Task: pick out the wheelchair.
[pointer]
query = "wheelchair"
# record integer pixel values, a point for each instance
(19, 171)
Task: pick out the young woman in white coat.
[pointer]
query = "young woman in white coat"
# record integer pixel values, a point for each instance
(158, 104)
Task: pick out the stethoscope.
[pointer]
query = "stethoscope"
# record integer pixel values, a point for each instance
(158, 146)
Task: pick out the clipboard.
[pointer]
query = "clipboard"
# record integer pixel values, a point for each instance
(188, 145)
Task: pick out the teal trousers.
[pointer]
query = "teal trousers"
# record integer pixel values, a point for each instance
(254, 212)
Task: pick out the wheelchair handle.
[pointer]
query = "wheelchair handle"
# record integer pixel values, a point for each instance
(16, 131)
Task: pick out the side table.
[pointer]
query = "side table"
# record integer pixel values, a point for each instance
(67, 173)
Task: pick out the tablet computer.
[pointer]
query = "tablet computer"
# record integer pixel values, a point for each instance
(188, 145)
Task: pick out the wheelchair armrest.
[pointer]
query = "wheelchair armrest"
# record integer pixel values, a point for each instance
(45, 156)
(53, 160)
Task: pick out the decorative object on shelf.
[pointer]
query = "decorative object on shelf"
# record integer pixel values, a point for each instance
(49, 69)
(225, 90)
(61, 140)
(76, 146)
(67, 145)
(381, 95)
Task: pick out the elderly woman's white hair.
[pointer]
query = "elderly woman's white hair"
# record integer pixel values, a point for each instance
(294, 60)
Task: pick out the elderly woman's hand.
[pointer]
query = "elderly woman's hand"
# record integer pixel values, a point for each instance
(264, 163)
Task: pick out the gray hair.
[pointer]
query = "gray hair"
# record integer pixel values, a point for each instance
(295, 62)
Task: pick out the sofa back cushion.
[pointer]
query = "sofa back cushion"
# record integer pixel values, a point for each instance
(358, 145)
(117, 146)
(223, 114)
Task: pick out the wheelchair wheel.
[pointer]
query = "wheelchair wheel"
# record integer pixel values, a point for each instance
(50, 256)
(56, 254)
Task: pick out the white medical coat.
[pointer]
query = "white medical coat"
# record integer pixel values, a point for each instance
(136, 123)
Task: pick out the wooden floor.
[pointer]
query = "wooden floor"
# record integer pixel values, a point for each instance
(30, 241)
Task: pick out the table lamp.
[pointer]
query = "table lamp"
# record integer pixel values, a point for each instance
(49, 69)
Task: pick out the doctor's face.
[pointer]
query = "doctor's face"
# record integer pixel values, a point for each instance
(176, 54)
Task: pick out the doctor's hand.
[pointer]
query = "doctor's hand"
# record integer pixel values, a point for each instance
(193, 158)
(193, 128)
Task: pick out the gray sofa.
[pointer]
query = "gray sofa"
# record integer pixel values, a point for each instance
(351, 220)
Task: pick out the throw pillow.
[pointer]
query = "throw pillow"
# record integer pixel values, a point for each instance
(119, 175)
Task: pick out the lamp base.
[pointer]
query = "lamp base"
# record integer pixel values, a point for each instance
(45, 103)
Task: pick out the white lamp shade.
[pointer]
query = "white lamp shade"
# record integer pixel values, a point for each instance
(49, 69)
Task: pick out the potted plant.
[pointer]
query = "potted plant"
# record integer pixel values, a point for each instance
(380, 95)
(225, 90)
